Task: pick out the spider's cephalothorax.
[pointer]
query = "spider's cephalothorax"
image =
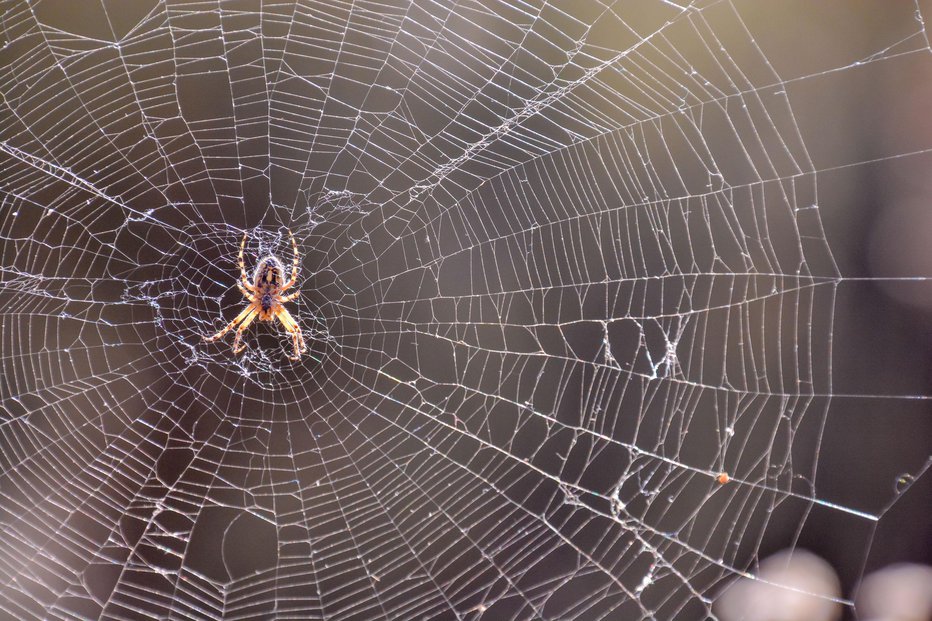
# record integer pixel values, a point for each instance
(266, 299)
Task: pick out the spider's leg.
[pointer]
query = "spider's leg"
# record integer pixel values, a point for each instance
(242, 266)
(290, 296)
(237, 348)
(292, 327)
(289, 323)
(230, 325)
(294, 265)
(298, 344)
(245, 292)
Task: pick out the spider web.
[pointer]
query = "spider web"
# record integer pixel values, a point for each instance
(561, 265)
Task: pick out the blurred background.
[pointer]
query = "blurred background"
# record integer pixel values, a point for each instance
(563, 265)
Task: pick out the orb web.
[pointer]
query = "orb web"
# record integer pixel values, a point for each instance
(566, 287)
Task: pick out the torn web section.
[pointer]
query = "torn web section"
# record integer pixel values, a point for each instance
(545, 374)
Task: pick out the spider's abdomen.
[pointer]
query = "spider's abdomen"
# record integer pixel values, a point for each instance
(269, 275)
(268, 280)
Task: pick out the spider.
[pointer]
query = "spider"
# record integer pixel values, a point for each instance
(266, 299)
